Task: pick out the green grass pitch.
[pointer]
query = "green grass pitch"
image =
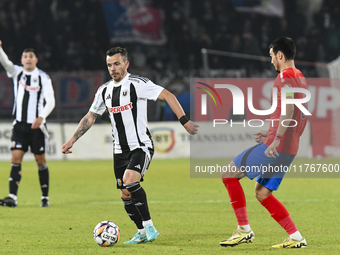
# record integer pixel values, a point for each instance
(192, 215)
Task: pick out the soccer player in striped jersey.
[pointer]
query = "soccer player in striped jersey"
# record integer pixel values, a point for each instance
(33, 102)
(125, 99)
(277, 148)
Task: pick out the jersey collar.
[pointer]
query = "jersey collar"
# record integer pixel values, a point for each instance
(32, 72)
(122, 81)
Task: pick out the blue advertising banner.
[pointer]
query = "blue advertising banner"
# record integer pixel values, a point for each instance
(133, 21)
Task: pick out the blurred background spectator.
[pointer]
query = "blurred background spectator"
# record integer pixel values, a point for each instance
(74, 36)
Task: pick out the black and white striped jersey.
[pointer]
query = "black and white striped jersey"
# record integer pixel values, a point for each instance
(30, 91)
(126, 103)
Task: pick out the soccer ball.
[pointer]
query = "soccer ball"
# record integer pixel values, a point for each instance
(106, 233)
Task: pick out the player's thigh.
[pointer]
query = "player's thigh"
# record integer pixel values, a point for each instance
(232, 171)
(140, 160)
(272, 175)
(252, 162)
(20, 137)
(120, 162)
(37, 142)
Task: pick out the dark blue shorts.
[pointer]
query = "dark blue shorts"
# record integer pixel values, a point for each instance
(268, 171)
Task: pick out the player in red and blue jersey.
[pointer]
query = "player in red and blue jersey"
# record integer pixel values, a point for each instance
(268, 160)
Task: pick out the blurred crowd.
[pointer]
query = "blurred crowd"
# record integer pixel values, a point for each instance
(72, 35)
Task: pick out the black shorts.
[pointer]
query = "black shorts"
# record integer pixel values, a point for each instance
(23, 136)
(137, 160)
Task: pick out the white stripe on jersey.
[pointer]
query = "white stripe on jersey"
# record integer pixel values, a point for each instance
(29, 91)
(126, 103)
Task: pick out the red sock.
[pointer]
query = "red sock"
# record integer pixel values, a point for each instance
(237, 199)
(279, 213)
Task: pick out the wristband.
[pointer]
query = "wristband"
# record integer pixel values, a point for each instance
(278, 137)
(184, 119)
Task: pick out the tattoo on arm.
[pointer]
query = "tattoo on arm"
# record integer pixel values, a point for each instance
(85, 124)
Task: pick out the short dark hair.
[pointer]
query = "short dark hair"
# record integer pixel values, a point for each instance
(286, 45)
(28, 50)
(118, 50)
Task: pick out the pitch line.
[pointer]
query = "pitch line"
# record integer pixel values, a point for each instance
(217, 201)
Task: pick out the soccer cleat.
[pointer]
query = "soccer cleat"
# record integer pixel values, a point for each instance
(44, 202)
(291, 243)
(8, 201)
(137, 238)
(239, 237)
(151, 233)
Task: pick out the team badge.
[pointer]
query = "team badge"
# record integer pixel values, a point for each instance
(119, 182)
(124, 93)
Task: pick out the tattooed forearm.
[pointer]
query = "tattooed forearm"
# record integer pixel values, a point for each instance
(85, 124)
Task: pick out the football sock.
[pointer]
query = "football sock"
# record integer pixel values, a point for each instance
(14, 179)
(244, 228)
(296, 236)
(138, 197)
(142, 231)
(279, 213)
(237, 200)
(147, 222)
(134, 215)
(44, 179)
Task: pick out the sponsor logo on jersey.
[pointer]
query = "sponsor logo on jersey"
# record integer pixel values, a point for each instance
(29, 88)
(119, 109)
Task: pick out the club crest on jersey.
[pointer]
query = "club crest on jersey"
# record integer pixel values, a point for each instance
(119, 109)
(124, 93)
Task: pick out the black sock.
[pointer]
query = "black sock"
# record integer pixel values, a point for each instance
(44, 179)
(138, 197)
(134, 215)
(14, 178)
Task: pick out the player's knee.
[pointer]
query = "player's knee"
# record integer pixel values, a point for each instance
(260, 194)
(131, 177)
(125, 194)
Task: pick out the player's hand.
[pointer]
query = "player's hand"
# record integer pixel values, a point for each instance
(261, 135)
(191, 127)
(37, 123)
(271, 151)
(65, 148)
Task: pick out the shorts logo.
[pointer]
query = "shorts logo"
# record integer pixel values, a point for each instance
(119, 182)
(137, 166)
(16, 145)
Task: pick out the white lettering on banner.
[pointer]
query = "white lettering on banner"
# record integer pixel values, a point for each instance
(243, 123)
(118, 109)
(238, 100)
